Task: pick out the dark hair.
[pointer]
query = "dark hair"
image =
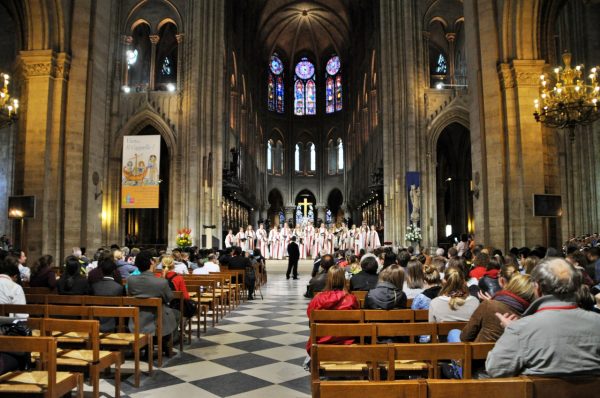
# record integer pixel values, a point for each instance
(493, 264)
(403, 258)
(9, 268)
(41, 263)
(107, 265)
(389, 259)
(237, 250)
(72, 267)
(143, 261)
(482, 260)
(414, 275)
(369, 264)
(327, 262)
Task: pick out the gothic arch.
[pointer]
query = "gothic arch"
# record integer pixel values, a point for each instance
(520, 30)
(156, 12)
(139, 121)
(452, 114)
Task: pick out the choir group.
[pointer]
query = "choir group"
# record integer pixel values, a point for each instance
(312, 241)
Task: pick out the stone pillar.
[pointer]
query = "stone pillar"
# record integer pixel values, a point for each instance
(451, 37)
(290, 212)
(321, 209)
(39, 161)
(126, 40)
(154, 39)
(179, 38)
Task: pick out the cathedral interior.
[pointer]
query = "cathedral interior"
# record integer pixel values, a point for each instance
(385, 112)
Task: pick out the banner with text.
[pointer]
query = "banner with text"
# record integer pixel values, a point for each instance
(140, 174)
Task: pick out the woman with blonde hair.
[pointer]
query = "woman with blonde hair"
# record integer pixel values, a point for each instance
(176, 281)
(484, 325)
(433, 285)
(454, 302)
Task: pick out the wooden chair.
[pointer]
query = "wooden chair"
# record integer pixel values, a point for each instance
(359, 330)
(122, 340)
(204, 293)
(361, 389)
(93, 359)
(409, 303)
(178, 295)
(360, 294)
(421, 315)
(37, 310)
(35, 298)
(47, 382)
(410, 330)
(349, 360)
(565, 387)
(154, 304)
(432, 354)
(38, 290)
(515, 387)
(479, 352)
(388, 316)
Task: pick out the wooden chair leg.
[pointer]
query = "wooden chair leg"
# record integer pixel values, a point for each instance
(136, 358)
(160, 351)
(118, 375)
(79, 385)
(150, 355)
(95, 380)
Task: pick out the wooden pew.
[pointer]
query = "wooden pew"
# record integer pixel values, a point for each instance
(154, 304)
(388, 316)
(349, 360)
(410, 330)
(92, 359)
(47, 382)
(432, 353)
(565, 387)
(443, 328)
(361, 389)
(515, 387)
(331, 316)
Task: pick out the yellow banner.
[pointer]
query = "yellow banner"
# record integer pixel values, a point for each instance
(140, 172)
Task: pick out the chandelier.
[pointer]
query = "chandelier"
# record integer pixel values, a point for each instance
(566, 101)
(8, 106)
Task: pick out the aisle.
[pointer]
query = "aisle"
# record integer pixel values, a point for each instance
(256, 351)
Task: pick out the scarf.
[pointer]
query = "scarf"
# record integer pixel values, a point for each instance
(519, 304)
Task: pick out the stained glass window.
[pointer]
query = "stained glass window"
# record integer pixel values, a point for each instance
(279, 93)
(329, 101)
(132, 57)
(305, 90)
(271, 93)
(275, 88)
(299, 215)
(299, 98)
(333, 85)
(311, 106)
(328, 217)
(281, 218)
(442, 66)
(166, 69)
(338, 93)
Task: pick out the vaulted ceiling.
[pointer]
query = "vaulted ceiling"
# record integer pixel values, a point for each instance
(295, 28)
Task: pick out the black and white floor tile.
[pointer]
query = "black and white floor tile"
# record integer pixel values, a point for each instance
(256, 351)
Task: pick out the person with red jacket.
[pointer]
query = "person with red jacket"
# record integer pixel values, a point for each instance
(334, 297)
(177, 281)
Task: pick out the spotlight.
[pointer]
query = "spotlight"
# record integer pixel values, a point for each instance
(126, 89)
(439, 86)
(171, 87)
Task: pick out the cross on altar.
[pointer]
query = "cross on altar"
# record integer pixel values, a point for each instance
(305, 205)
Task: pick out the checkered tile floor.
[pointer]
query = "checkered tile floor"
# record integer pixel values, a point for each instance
(256, 351)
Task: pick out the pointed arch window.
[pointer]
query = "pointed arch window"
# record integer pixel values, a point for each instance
(441, 67)
(297, 156)
(138, 58)
(312, 155)
(305, 89)
(331, 158)
(270, 156)
(275, 87)
(278, 159)
(340, 155)
(166, 57)
(333, 85)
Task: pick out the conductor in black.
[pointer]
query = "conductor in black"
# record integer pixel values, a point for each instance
(293, 257)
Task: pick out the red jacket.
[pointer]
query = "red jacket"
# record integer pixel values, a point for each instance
(478, 272)
(178, 282)
(332, 300)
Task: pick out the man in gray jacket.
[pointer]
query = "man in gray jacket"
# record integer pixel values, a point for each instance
(146, 285)
(555, 337)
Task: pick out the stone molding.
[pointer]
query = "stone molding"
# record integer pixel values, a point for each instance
(506, 75)
(520, 73)
(44, 63)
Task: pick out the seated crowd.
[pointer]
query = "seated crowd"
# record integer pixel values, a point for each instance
(540, 306)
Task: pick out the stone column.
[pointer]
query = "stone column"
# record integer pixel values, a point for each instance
(321, 209)
(451, 37)
(126, 40)
(154, 39)
(38, 160)
(290, 211)
(179, 38)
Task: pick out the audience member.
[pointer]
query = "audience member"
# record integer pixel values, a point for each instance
(334, 297)
(10, 291)
(387, 294)
(211, 265)
(432, 288)
(555, 337)
(42, 273)
(414, 283)
(24, 270)
(71, 282)
(124, 268)
(367, 278)
(317, 283)
(176, 281)
(454, 302)
(241, 262)
(107, 287)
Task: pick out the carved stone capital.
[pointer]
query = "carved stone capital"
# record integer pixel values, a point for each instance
(527, 72)
(44, 63)
(506, 75)
(179, 37)
(450, 36)
(127, 40)
(154, 39)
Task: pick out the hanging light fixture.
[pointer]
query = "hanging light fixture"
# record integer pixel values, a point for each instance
(8, 106)
(566, 101)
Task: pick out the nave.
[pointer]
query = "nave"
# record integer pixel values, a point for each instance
(256, 351)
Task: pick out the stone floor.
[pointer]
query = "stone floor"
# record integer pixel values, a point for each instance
(256, 351)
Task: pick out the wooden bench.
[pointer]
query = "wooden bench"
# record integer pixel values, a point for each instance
(565, 387)
(93, 358)
(361, 389)
(47, 382)
(514, 387)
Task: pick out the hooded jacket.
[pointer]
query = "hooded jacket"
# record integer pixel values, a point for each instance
(385, 296)
(332, 300)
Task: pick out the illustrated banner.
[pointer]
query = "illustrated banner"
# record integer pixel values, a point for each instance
(140, 173)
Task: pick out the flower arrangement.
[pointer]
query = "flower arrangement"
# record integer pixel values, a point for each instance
(183, 238)
(413, 233)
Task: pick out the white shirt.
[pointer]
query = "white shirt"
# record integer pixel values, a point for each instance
(25, 272)
(11, 293)
(208, 266)
(180, 268)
